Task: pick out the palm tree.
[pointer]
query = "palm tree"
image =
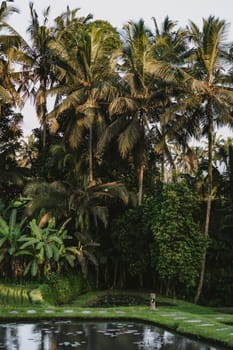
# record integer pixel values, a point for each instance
(169, 46)
(209, 68)
(10, 42)
(84, 75)
(37, 61)
(169, 43)
(131, 109)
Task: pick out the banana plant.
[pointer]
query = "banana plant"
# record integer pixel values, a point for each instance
(45, 246)
(10, 233)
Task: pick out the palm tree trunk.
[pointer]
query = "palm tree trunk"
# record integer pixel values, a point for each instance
(91, 176)
(208, 209)
(44, 111)
(43, 134)
(116, 263)
(140, 184)
(163, 167)
(141, 164)
(230, 170)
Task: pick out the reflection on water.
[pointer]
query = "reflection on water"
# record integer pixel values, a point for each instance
(54, 335)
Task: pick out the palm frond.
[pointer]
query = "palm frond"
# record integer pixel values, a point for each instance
(112, 130)
(122, 105)
(129, 137)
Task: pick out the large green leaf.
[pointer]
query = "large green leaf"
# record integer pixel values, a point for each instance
(24, 252)
(30, 242)
(2, 241)
(11, 250)
(56, 253)
(39, 245)
(27, 269)
(57, 240)
(35, 229)
(49, 251)
(12, 222)
(34, 268)
(4, 228)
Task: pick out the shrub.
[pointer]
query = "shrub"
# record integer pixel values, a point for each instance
(178, 240)
(63, 289)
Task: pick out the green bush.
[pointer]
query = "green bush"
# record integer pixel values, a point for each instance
(63, 289)
(178, 240)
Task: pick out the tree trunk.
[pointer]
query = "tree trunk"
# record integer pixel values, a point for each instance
(167, 288)
(97, 277)
(141, 151)
(208, 209)
(43, 135)
(43, 112)
(115, 275)
(91, 177)
(140, 184)
(163, 167)
(106, 274)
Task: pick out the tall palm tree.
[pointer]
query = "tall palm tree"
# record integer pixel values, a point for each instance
(10, 125)
(209, 67)
(84, 73)
(169, 43)
(170, 46)
(131, 109)
(9, 47)
(38, 62)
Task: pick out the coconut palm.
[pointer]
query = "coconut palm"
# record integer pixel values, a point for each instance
(169, 43)
(37, 75)
(84, 75)
(170, 46)
(208, 70)
(10, 42)
(131, 109)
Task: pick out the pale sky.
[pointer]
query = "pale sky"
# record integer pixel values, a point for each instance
(118, 12)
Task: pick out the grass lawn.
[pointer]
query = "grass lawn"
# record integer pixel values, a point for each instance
(212, 324)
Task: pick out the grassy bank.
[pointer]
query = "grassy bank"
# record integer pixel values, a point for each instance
(183, 317)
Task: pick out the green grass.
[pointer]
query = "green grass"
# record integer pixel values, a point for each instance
(186, 318)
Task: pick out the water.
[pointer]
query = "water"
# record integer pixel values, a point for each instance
(61, 335)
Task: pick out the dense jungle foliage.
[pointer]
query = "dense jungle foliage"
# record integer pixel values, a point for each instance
(127, 182)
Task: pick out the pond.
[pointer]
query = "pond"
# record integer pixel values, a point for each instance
(67, 334)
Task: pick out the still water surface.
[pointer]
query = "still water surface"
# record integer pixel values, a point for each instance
(54, 335)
